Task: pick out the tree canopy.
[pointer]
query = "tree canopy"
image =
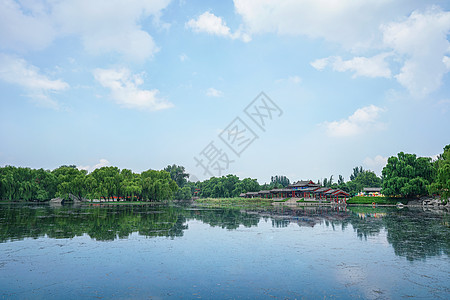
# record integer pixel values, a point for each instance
(226, 186)
(407, 175)
(404, 175)
(441, 185)
(25, 184)
(282, 180)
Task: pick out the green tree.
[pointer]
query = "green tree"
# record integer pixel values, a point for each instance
(363, 178)
(356, 172)
(157, 185)
(441, 185)
(407, 176)
(178, 174)
(282, 180)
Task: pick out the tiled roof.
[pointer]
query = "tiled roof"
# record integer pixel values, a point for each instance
(301, 183)
(371, 189)
(280, 190)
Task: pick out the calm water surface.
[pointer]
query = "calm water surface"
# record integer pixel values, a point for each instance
(156, 252)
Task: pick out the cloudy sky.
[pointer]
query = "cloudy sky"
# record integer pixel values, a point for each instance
(143, 84)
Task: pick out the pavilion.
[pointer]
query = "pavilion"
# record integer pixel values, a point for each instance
(306, 189)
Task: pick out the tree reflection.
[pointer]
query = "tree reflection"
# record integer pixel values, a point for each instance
(418, 235)
(104, 223)
(413, 234)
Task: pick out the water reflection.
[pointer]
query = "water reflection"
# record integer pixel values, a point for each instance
(103, 223)
(417, 235)
(413, 234)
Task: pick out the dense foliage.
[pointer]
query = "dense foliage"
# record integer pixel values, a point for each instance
(404, 176)
(364, 179)
(407, 175)
(359, 179)
(25, 184)
(226, 186)
(441, 185)
(282, 180)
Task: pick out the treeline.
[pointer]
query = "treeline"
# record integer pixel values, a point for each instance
(225, 186)
(232, 186)
(359, 179)
(409, 176)
(404, 175)
(111, 183)
(25, 184)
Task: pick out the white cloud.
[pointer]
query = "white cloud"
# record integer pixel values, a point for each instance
(320, 63)
(375, 164)
(362, 120)
(125, 89)
(17, 71)
(443, 105)
(435, 157)
(422, 40)
(102, 163)
(446, 61)
(104, 27)
(375, 66)
(20, 31)
(109, 25)
(183, 57)
(295, 79)
(353, 24)
(418, 42)
(211, 24)
(212, 92)
(292, 79)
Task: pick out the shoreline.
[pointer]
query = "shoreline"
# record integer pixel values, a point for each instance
(239, 202)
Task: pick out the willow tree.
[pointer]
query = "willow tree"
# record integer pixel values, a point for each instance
(442, 183)
(407, 175)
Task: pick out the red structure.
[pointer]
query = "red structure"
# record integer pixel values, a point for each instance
(301, 189)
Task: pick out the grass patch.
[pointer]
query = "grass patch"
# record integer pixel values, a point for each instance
(236, 201)
(312, 201)
(282, 200)
(376, 200)
(122, 202)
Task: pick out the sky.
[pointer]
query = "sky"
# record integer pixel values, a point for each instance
(256, 88)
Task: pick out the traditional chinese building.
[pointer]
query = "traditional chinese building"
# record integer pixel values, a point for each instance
(265, 194)
(303, 184)
(371, 192)
(301, 189)
(281, 193)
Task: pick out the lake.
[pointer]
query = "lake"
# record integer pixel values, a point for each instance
(161, 252)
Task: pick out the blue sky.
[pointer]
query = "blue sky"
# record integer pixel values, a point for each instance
(144, 84)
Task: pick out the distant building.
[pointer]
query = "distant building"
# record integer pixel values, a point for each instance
(371, 192)
(303, 184)
(301, 189)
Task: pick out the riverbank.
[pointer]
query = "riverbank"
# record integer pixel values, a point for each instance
(354, 201)
(235, 202)
(377, 200)
(126, 203)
